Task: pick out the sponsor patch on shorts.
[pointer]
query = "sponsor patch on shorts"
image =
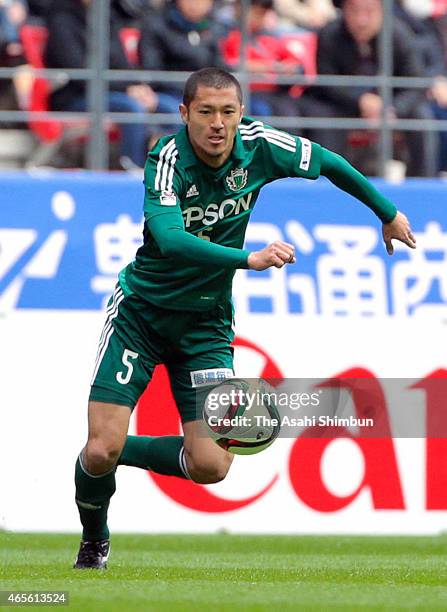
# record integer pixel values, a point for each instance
(202, 378)
(306, 154)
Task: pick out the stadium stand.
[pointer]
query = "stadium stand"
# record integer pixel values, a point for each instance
(15, 141)
(427, 31)
(309, 14)
(51, 136)
(349, 46)
(271, 51)
(297, 50)
(180, 37)
(280, 48)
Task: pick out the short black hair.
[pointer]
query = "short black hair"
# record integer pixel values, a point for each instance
(209, 77)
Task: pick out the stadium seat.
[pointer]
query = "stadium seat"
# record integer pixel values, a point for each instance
(51, 135)
(34, 38)
(302, 46)
(296, 49)
(438, 8)
(130, 37)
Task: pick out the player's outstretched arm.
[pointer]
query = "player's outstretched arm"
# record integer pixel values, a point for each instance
(174, 242)
(395, 224)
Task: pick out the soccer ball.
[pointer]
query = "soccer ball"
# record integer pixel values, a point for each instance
(241, 415)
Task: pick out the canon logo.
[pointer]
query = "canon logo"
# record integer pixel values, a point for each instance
(381, 473)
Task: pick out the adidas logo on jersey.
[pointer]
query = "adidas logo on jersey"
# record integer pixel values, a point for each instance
(192, 191)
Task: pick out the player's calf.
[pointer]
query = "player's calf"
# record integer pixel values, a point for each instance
(108, 425)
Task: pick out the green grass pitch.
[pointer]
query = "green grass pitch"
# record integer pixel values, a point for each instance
(231, 572)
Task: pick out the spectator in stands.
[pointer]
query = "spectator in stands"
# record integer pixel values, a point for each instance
(268, 54)
(39, 8)
(156, 4)
(309, 14)
(429, 42)
(183, 36)
(130, 12)
(349, 46)
(67, 48)
(439, 17)
(13, 14)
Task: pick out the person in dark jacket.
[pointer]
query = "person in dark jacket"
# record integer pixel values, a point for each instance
(429, 42)
(349, 46)
(39, 8)
(183, 36)
(67, 48)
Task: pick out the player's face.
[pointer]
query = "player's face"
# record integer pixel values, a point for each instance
(212, 119)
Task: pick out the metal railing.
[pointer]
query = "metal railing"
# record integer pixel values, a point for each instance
(98, 76)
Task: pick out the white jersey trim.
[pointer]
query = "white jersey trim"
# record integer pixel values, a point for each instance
(163, 166)
(107, 332)
(171, 171)
(258, 130)
(258, 126)
(272, 140)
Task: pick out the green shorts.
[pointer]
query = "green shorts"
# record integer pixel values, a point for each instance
(194, 346)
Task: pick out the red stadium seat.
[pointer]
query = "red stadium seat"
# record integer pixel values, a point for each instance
(438, 8)
(302, 46)
(34, 39)
(130, 37)
(51, 134)
(297, 50)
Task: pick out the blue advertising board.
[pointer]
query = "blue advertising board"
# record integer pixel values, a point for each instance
(65, 236)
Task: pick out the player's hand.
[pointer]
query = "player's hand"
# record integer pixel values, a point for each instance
(399, 229)
(275, 255)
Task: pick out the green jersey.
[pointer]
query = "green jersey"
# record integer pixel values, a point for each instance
(213, 206)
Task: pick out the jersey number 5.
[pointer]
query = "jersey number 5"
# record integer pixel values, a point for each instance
(202, 234)
(124, 377)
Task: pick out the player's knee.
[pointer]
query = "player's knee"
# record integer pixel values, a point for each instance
(101, 455)
(211, 471)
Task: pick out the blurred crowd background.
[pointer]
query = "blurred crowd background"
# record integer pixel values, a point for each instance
(276, 41)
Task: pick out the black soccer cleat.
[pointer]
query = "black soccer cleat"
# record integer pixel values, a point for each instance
(93, 555)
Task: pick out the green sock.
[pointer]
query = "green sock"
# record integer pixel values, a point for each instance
(93, 495)
(161, 454)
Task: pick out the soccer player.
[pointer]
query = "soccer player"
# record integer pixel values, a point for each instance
(172, 305)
